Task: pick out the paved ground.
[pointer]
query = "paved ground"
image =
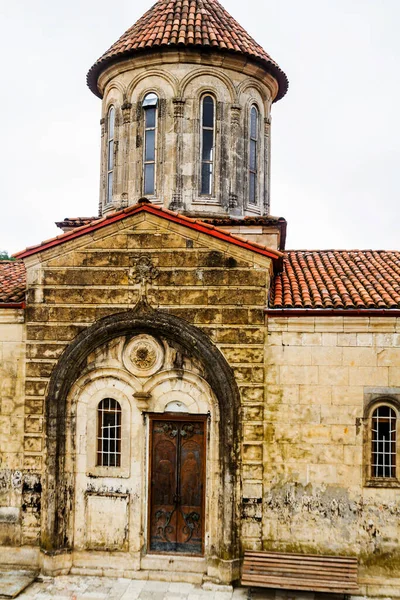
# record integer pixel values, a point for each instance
(103, 588)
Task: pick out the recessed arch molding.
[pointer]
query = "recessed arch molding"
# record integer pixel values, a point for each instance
(59, 487)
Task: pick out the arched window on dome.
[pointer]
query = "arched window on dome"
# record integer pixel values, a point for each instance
(150, 109)
(254, 152)
(109, 433)
(110, 154)
(207, 145)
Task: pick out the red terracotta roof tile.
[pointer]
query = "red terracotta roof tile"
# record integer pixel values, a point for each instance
(12, 281)
(74, 222)
(338, 279)
(201, 23)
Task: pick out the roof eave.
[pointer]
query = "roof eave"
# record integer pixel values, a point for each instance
(275, 255)
(102, 64)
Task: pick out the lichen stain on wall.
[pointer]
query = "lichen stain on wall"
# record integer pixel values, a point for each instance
(323, 517)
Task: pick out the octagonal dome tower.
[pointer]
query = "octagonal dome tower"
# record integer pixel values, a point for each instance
(187, 97)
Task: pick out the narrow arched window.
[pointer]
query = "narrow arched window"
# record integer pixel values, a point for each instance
(384, 442)
(150, 107)
(109, 433)
(207, 145)
(253, 154)
(110, 154)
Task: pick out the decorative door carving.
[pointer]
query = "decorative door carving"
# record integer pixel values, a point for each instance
(177, 469)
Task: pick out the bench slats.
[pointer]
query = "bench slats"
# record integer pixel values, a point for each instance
(305, 572)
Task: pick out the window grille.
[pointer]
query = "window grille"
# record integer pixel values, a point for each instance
(253, 155)
(109, 433)
(384, 442)
(207, 145)
(110, 154)
(149, 105)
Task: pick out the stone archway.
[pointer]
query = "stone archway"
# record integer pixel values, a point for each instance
(218, 374)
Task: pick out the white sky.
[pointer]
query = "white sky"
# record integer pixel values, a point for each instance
(335, 154)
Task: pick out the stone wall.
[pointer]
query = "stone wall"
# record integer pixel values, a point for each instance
(320, 373)
(219, 288)
(12, 352)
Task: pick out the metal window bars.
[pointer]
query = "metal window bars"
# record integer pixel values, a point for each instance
(109, 433)
(384, 442)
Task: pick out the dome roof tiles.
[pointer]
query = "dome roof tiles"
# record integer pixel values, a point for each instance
(192, 23)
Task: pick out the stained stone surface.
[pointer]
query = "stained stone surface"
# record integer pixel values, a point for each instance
(13, 582)
(104, 588)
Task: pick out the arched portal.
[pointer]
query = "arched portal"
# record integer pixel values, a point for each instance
(216, 372)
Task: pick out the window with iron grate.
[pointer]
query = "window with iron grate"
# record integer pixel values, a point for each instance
(384, 443)
(109, 433)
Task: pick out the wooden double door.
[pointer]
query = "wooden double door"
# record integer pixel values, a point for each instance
(177, 483)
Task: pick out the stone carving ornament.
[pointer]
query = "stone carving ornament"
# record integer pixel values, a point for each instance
(143, 356)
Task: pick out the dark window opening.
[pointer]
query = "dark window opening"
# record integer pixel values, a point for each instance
(384, 443)
(109, 433)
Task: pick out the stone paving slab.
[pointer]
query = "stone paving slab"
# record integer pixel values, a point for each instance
(76, 587)
(13, 582)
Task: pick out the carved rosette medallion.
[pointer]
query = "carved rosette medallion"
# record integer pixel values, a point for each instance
(143, 356)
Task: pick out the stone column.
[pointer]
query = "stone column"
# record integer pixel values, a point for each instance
(234, 204)
(103, 159)
(124, 151)
(177, 200)
(267, 167)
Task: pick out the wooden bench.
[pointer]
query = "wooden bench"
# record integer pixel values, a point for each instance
(306, 572)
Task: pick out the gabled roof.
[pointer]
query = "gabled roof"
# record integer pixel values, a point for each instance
(203, 24)
(338, 279)
(147, 207)
(12, 282)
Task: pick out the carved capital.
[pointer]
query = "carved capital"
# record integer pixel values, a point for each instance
(126, 112)
(142, 399)
(103, 127)
(179, 105)
(236, 112)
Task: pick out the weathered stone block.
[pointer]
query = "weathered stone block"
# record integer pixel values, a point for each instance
(252, 453)
(253, 433)
(371, 376)
(333, 375)
(33, 444)
(359, 357)
(299, 375)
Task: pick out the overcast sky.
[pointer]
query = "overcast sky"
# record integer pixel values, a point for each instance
(335, 153)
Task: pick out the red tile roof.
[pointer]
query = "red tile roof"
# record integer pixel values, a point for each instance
(146, 206)
(12, 282)
(74, 222)
(338, 279)
(192, 23)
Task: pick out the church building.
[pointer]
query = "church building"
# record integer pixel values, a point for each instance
(175, 387)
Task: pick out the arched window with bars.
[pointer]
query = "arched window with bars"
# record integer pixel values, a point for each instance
(150, 110)
(384, 443)
(109, 416)
(110, 154)
(253, 154)
(207, 149)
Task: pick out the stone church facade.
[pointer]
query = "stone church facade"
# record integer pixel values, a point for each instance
(176, 387)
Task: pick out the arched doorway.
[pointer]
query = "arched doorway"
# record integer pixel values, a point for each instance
(186, 341)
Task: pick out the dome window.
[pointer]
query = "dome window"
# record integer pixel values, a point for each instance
(253, 154)
(110, 154)
(207, 145)
(150, 108)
